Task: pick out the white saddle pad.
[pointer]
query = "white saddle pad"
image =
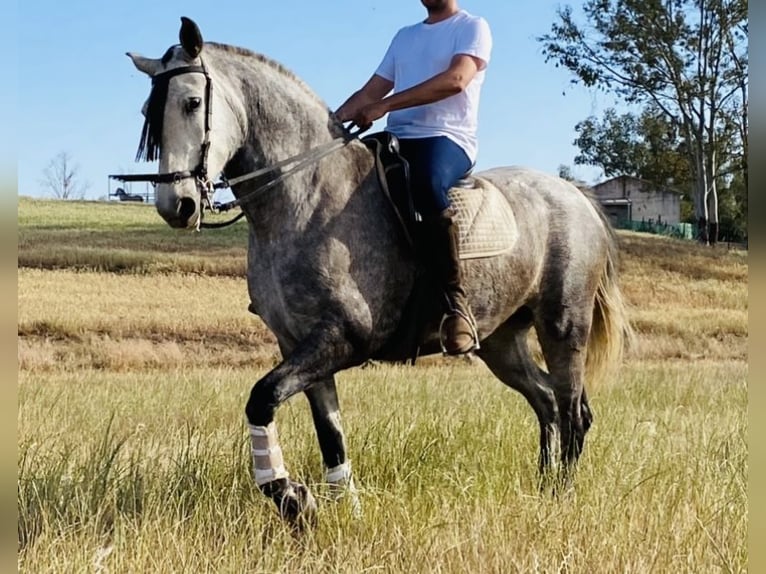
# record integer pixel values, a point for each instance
(486, 221)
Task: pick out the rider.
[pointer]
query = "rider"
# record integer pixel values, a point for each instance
(435, 68)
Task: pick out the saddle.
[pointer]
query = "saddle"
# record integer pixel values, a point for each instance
(394, 179)
(485, 219)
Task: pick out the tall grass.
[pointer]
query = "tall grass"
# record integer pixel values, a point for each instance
(154, 471)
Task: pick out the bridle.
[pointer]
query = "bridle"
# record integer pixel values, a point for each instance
(200, 171)
(205, 185)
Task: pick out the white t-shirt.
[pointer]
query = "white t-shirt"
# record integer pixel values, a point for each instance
(420, 52)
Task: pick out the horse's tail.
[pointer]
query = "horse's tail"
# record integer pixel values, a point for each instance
(611, 334)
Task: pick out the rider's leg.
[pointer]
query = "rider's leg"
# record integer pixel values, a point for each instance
(435, 166)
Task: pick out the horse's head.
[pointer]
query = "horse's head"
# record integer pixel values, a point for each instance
(180, 129)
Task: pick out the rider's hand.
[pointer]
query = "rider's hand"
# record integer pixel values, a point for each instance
(368, 114)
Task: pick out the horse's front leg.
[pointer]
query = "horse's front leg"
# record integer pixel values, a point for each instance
(311, 363)
(323, 399)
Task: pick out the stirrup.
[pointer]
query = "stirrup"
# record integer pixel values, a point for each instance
(471, 323)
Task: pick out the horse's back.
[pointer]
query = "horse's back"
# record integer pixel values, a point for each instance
(561, 243)
(522, 184)
(548, 205)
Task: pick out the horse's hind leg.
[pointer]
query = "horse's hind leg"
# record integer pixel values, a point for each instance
(506, 353)
(563, 333)
(585, 412)
(323, 400)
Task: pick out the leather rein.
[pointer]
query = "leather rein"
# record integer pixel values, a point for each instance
(206, 186)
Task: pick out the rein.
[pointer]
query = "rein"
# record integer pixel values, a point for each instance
(301, 161)
(207, 187)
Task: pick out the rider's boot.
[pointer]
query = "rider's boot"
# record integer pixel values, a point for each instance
(457, 332)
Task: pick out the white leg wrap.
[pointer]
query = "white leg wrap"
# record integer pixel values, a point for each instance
(340, 474)
(342, 486)
(268, 464)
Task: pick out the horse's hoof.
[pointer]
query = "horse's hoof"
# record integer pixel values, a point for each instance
(297, 506)
(345, 491)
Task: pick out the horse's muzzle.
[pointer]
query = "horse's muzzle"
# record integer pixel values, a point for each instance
(180, 213)
(188, 211)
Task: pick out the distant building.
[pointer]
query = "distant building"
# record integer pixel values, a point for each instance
(626, 199)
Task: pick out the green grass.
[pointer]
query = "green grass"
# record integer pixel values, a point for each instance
(122, 237)
(136, 357)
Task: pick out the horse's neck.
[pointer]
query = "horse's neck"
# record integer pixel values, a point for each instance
(285, 117)
(284, 121)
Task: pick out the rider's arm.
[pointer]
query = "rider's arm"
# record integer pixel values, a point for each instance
(374, 90)
(452, 81)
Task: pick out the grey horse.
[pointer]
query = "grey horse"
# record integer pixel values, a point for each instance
(331, 274)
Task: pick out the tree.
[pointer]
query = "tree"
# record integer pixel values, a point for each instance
(687, 58)
(62, 179)
(646, 146)
(609, 144)
(733, 206)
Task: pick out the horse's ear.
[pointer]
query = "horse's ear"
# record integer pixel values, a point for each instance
(146, 65)
(190, 36)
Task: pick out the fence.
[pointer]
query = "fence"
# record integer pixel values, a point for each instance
(679, 230)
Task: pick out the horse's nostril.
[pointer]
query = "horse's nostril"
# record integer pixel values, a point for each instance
(187, 208)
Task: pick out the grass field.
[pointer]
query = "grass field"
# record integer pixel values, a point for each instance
(136, 355)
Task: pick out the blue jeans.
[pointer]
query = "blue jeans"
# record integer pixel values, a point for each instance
(436, 164)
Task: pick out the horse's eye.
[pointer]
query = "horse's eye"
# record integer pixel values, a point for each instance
(193, 104)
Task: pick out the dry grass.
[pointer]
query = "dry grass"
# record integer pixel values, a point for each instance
(675, 315)
(155, 469)
(125, 321)
(70, 304)
(133, 455)
(687, 301)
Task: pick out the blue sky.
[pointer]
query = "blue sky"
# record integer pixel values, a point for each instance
(77, 91)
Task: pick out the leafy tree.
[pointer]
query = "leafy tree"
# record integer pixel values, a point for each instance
(62, 179)
(685, 58)
(609, 144)
(646, 146)
(733, 208)
(649, 147)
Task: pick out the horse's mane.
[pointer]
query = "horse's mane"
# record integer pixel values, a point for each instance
(280, 68)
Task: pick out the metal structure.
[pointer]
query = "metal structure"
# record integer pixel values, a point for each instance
(127, 193)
